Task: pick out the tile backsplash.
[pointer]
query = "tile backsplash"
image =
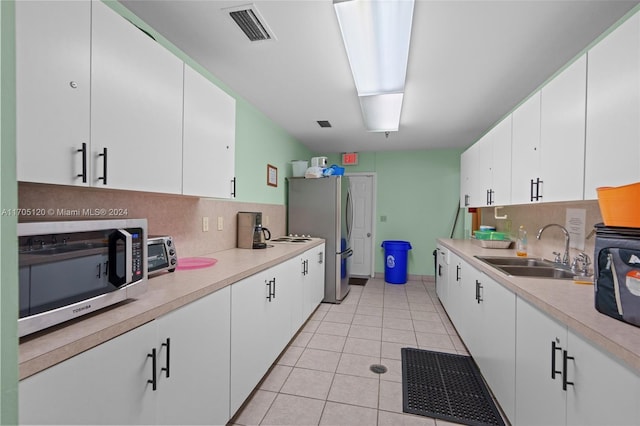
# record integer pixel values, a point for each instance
(535, 216)
(175, 215)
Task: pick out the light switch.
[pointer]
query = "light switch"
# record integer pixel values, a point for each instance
(220, 223)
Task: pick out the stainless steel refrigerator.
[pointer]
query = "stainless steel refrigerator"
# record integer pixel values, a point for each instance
(322, 208)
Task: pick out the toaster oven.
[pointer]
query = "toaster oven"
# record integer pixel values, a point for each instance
(162, 254)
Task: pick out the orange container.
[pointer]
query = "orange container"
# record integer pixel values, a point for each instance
(620, 205)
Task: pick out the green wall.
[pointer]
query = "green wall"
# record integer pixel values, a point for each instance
(418, 195)
(9, 241)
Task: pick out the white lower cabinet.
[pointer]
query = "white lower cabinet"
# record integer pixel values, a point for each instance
(540, 399)
(483, 313)
(313, 280)
(494, 316)
(114, 383)
(575, 382)
(209, 356)
(104, 385)
(540, 372)
(196, 388)
(442, 275)
(266, 312)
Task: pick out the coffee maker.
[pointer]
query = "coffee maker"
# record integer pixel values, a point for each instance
(251, 233)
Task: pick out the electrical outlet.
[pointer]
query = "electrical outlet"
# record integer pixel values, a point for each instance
(205, 224)
(220, 223)
(383, 218)
(266, 220)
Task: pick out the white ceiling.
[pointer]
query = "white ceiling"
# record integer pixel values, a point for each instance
(470, 63)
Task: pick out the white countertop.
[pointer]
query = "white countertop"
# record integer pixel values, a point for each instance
(568, 303)
(166, 292)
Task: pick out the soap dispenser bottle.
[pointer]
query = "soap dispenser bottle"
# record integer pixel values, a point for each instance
(521, 242)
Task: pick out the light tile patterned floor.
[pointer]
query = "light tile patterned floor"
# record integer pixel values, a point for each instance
(323, 377)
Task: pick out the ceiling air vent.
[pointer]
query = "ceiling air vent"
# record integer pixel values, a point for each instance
(251, 22)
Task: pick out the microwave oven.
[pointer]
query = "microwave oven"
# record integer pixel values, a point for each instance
(71, 268)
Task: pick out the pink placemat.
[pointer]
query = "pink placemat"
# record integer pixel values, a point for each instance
(195, 262)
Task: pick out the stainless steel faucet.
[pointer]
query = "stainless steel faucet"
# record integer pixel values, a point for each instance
(565, 256)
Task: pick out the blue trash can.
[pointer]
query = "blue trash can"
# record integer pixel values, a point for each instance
(395, 265)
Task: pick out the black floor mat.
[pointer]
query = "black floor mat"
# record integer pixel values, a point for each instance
(358, 281)
(446, 386)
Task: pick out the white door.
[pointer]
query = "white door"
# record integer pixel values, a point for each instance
(53, 48)
(195, 388)
(612, 153)
(540, 399)
(136, 107)
(104, 385)
(362, 234)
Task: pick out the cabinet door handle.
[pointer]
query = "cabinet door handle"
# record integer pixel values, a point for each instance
(458, 272)
(268, 284)
(478, 294)
(439, 270)
(167, 366)
(554, 348)
(565, 382)
(233, 186)
(83, 150)
(537, 195)
(306, 267)
(531, 191)
(103, 178)
(320, 256)
(153, 380)
(466, 200)
(272, 289)
(538, 191)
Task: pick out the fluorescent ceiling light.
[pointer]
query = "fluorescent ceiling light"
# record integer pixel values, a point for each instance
(376, 35)
(381, 113)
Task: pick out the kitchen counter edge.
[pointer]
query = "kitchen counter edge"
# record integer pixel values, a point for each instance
(166, 292)
(566, 302)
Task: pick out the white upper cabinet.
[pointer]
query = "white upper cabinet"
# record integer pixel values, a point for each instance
(53, 45)
(209, 138)
(525, 153)
(548, 140)
(501, 163)
(494, 163)
(613, 110)
(469, 171)
(136, 107)
(562, 134)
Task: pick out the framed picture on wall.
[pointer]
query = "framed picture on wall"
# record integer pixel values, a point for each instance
(272, 175)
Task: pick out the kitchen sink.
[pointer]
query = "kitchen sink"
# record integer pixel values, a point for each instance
(516, 261)
(528, 267)
(538, 272)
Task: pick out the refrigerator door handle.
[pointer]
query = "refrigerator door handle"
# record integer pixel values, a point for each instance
(350, 215)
